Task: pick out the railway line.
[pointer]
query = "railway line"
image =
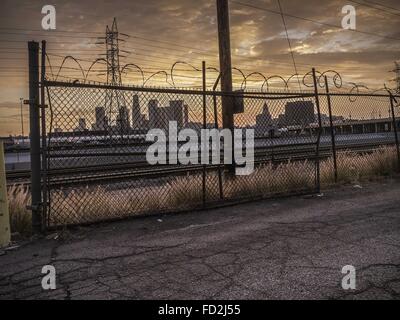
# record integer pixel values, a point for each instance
(140, 169)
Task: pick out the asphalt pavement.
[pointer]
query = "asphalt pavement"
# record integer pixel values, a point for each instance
(293, 248)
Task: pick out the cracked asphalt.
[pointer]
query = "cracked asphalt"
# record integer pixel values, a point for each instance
(291, 248)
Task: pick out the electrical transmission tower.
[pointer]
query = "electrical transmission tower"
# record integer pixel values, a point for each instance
(115, 101)
(112, 55)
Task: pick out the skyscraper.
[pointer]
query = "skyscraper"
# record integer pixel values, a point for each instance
(153, 114)
(101, 123)
(185, 115)
(123, 124)
(159, 117)
(137, 117)
(177, 112)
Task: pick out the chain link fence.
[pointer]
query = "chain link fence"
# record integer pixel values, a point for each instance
(101, 152)
(358, 137)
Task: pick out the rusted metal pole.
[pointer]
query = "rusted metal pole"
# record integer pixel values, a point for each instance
(225, 63)
(328, 97)
(392, 99)
(221, 190)
(317, 162)
(34, 116)
(204, 127)
(5, 233)
(44, 141)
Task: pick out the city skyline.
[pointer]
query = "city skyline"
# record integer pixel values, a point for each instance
(258, 41)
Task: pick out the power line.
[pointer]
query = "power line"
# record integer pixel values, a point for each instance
(288, 40)
(167, 62)
(373, 7)
(385, 6)
(199, 51)
(313, 21)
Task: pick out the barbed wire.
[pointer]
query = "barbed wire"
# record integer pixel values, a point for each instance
(170, 77)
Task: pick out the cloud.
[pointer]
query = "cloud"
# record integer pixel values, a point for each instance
(164, 31)
(9, 105)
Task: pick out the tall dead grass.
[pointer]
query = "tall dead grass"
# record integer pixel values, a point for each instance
(101, 203)
(20, 217)
(354, 167)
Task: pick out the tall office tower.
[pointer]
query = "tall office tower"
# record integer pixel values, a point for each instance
(165, 115)
(137, 117)
(82, 123)
(123, 124)
(176, 108)
(101, 123)
(185, 115)
(153, 114)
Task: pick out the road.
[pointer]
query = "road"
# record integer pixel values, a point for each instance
(291, 248)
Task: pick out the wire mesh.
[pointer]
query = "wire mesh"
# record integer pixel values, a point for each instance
(97, 146)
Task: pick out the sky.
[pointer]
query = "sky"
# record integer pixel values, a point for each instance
(161, 32)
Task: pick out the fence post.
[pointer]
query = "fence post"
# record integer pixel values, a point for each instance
(317, 162)
(221, 190)
(328, 97)
(204, 126)
(396, 137)
(44, 142)
(5, 234)
(34, 123)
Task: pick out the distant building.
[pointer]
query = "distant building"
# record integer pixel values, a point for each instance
(153, 114)
(325, 119)
(138, 119)
(81, 125)
(185, 115)
(123, 124)
(159, 117)
(176, 112)
(264, 122)
(299, 113)
(101, 122)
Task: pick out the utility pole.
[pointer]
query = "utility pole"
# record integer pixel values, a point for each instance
(225, 63)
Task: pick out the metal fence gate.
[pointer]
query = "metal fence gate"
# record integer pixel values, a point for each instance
(96, 152)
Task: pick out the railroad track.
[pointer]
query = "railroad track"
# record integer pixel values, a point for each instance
(97, 174)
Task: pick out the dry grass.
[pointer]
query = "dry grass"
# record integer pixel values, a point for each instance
(20, 217)
(353, 167)
(93, 204)
(183, 191)
(269, 179)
